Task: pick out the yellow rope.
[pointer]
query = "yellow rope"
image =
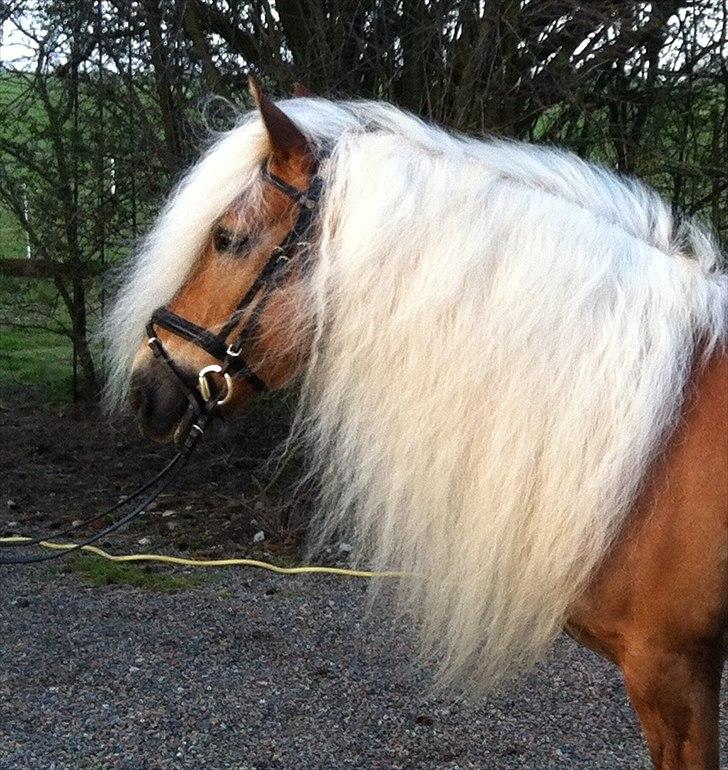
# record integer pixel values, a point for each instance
(180, 561)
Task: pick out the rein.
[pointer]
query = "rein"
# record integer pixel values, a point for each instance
(203, 400)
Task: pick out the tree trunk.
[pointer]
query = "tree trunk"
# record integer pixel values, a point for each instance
(86, 383)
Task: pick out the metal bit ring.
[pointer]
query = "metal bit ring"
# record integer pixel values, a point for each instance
(204, 386)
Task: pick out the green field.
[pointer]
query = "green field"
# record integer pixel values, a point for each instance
(33, 363)
(36, 364)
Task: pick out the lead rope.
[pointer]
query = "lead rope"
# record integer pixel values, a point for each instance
(157, 484)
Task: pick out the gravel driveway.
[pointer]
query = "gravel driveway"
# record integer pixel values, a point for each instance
(248, 670)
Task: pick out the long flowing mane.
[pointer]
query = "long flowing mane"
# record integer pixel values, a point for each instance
(503, 334)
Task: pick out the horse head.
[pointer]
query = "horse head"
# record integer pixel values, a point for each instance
(239, 303)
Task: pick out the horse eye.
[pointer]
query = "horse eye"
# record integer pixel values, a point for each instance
(221, 240)
(230, 243)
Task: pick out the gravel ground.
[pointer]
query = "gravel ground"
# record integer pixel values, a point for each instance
(248, 670)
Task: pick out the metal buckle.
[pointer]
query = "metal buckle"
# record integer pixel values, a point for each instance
(204, 386)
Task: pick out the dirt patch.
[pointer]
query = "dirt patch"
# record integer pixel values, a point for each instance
(62, 464)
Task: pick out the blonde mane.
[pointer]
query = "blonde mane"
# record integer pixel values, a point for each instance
(503, 334)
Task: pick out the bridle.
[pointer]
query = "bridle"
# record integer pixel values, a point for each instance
(204, 401)
(233, 364)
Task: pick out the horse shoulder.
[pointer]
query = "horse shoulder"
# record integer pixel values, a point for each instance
(666, 577)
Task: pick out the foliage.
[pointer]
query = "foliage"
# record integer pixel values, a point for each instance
(110, 102)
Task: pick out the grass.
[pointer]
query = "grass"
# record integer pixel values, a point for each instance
(95, 571)
(37, 362)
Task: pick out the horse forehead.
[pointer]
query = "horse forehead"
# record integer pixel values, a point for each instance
(231, 217)
(259, 211)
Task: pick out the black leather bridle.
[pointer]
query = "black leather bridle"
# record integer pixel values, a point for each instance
(204, 400)
(231, 354)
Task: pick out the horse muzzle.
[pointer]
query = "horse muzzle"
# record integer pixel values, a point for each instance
(158, 398)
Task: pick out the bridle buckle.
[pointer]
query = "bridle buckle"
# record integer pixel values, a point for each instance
(203, 384)
(280, 254)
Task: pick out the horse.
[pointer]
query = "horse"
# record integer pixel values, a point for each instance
(512, 382)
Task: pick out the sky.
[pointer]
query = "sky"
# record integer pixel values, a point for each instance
(14, 45)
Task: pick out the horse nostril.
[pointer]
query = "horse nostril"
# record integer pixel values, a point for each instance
(158, 401)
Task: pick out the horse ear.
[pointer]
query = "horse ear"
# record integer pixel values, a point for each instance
(287, 142)
(299, 90)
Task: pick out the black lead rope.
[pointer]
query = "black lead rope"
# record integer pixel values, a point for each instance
(31, 541)
(168, 473)
(158, 484)
(232, 361)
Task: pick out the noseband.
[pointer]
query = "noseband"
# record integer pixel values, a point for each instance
(233, 364)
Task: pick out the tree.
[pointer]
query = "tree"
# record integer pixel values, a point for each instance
(112, 103)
